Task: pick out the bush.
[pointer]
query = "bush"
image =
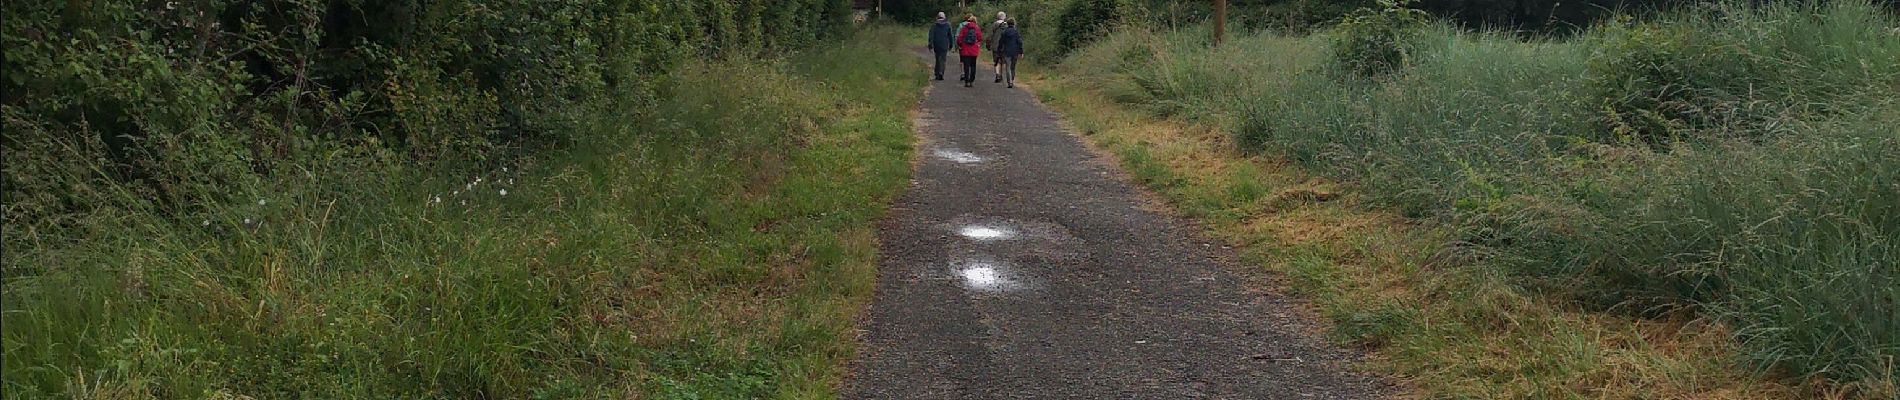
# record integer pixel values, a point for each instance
(1736, 72)
(1085, 21)
(1373, 42)
(920, 11)
(1657, 82)
(180, 104)
(1305, 15)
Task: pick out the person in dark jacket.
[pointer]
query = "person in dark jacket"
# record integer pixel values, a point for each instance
(969, 46)
(941, 41)
(1009, 49)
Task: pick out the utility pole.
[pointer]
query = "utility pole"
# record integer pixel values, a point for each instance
(1220, 21)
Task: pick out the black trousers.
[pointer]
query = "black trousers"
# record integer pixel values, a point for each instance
(969, 69)
(940, 62)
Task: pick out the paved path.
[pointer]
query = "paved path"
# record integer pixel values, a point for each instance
(1018, 265)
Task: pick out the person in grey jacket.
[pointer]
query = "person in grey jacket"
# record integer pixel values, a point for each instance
(990, 35)
(941, 41)
(1009, 49)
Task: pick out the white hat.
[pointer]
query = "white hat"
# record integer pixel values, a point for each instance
(940, 15)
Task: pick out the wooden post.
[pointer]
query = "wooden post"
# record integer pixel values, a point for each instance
(1220, 21)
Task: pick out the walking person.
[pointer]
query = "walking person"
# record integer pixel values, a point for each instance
(962, 23)
(994, 32)
(969, 46)
(1009, 49)
(941, 41)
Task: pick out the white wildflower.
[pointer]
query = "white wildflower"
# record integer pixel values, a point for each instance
(504, 192)
(206, 223)
(247, 221)
(260, 202)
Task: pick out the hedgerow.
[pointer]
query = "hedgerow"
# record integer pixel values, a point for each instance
(181, 103)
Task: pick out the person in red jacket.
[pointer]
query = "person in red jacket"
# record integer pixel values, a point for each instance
(969, 46)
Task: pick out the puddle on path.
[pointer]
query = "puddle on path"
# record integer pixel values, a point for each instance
(986, 232)
(980, 277)
(958, 156)
(985, 276)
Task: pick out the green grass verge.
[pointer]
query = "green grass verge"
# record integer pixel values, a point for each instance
(717, 245)
(1714, 181)
(1447, 328)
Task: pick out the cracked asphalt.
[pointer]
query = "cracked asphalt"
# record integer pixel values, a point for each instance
(1020, 265)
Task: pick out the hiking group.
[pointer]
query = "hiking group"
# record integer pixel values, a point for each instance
(1003, 41)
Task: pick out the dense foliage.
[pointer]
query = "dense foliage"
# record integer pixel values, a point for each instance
(920, 11)
(162, 105)
(1378, 41)
(1524, 16)
(1084, 21)
(1727, 74)
(653, 223)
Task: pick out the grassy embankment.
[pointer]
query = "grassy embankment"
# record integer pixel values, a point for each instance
(718, 246)
(1483, 222)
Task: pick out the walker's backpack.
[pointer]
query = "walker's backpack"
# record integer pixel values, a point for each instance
(969, 37)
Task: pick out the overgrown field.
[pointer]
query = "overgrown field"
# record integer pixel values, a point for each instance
(1724, 164)
(711, 241)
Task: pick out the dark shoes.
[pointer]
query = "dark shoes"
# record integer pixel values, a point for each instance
(999, 79)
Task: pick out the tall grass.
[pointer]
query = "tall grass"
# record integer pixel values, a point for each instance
(1764, 198)
(716, 245)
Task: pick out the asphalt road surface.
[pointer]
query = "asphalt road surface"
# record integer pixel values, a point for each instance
(1020, 265)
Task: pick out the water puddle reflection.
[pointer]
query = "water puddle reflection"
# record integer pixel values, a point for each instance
(980, 277)
(958, 156)
(985, 276)
(984, 232)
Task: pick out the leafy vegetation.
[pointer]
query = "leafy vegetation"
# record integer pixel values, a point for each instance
(191, 103)
(921, 11)
(1378, 41)
(1083, 21)
(441, 200)
(1727, 161)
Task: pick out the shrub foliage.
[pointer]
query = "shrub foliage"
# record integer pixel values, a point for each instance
(1084, 21)
(1373, 42)
(178, 102)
